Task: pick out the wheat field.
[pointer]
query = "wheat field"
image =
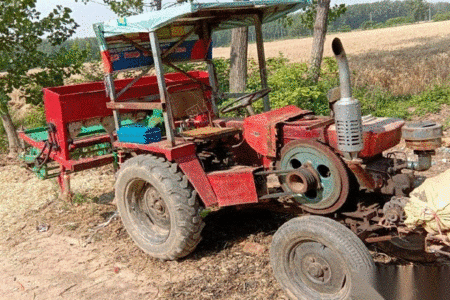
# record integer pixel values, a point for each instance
(355, 42)
(403, 60)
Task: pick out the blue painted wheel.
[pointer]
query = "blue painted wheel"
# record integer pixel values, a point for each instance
(333, 178)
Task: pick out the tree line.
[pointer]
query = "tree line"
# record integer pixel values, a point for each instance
(368, 15)
(358, 16)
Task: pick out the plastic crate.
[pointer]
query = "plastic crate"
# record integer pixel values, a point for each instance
(139, 134)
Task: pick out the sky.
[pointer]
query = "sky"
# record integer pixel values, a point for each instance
(95, 11)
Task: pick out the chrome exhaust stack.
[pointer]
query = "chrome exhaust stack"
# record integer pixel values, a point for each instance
(347, 111)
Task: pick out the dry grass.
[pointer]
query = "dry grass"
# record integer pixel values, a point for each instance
(405, 71)
(403, 60)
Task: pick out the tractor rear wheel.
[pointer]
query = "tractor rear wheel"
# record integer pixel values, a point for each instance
(159, 208)
(315, 258)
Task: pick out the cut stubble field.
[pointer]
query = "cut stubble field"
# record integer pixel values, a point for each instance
(403, 60)
(355, 42)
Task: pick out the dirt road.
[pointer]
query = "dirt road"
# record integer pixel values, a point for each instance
(73, 260)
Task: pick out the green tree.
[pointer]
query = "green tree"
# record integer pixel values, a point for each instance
(22, 30)
(125, 8)
(417, 9)
(308, 17)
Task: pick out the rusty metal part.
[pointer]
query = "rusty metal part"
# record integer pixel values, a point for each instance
(323, 123)
(410, 246)
(364, 220)
(135, 105)
(377, 239)
(364, 178)
(424, 135)
(423, 130)
(393, 212)
(341, 187)
(440, 238)
(424, 145)
(302, 180)
(399, 185)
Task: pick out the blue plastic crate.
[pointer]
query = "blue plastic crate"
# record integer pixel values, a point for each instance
(138, 134)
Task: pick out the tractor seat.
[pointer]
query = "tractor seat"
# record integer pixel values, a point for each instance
(210, 133)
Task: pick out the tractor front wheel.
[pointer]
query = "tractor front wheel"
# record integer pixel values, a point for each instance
(316, 258)
(159, 208)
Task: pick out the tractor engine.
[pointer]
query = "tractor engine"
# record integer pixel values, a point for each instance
(318, 159)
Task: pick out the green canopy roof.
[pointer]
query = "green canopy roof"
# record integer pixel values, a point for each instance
(219, 15)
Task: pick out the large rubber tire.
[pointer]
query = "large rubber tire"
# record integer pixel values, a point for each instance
(315, 257)
(159, 208)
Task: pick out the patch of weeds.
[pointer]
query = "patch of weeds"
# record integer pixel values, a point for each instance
(446, 124)
(382, 103)
(79, 198)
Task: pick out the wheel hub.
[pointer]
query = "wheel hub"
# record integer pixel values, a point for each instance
(316, 176)
(317, 269)
(156, 208)
(303, 179)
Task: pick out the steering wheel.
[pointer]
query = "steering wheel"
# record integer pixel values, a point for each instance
(245, 101)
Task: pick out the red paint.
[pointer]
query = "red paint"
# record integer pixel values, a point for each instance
(180, 150)
(261, 133)
(200, 49)
(379, 134)
(67, 104)
(235, 186)
(106, 59)
(72, 103)
(193, 170)
(64, 183)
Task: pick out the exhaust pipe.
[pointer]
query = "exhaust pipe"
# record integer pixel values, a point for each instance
(347, 111)
(344, 70)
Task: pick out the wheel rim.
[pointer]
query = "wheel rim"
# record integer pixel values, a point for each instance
(329, 175)
(317, 270)
(147, 211)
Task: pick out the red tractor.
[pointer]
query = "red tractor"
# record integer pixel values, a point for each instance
(203, 160)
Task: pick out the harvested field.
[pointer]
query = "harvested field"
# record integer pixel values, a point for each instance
(403, 60)
(355, 42)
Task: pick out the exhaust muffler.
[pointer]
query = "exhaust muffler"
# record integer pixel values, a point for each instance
(347, 111)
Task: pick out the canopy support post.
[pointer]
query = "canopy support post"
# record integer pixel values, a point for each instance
(111, 92)
(261, 58)
(167, 112)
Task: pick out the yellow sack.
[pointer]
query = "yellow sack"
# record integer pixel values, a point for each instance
(429, 204)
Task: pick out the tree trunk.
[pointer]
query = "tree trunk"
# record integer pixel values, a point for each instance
(158, 4)
(13, 139)
(238, 60)
(320, 30)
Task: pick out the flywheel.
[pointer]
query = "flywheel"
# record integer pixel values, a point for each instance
(332, 181)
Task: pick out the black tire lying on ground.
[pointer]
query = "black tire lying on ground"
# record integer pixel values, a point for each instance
(315, 257)
(159, 208)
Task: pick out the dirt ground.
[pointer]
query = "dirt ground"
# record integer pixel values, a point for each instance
(51, 249)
